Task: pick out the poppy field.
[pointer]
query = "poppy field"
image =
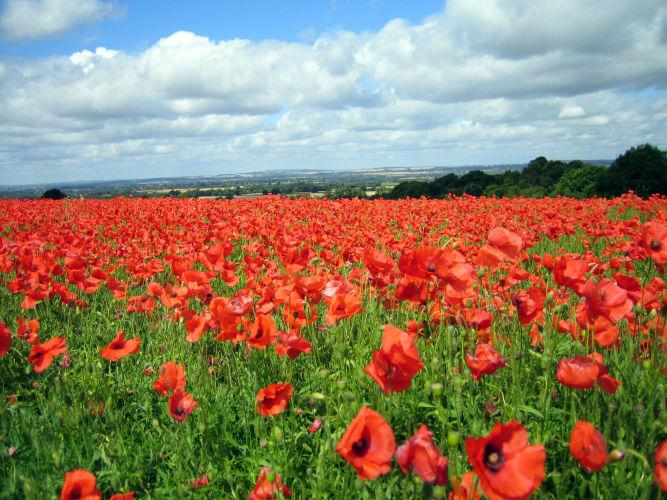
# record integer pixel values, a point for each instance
(264, 348)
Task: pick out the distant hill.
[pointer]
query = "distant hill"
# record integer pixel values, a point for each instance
(326, 178)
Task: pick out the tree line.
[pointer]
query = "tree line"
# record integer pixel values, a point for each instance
(642, 169)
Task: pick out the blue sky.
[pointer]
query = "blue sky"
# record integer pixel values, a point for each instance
(101, 89)
(136, 25)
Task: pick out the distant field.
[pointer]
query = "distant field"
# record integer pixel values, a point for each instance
(273, 346)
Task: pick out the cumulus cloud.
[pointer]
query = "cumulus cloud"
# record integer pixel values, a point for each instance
(479, 82)
(42, 18)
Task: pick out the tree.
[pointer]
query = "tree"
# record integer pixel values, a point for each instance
(580, 182)
(53, 194)
(642, 169)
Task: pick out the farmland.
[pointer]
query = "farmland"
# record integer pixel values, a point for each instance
(274, 346)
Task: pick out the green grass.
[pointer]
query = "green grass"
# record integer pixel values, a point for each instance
(135, 445)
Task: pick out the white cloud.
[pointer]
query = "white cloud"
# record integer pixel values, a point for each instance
(572, 111)
(41, 18)
(501, 82)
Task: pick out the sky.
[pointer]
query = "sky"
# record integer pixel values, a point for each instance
(100, 90)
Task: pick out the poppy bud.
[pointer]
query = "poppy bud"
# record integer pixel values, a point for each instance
(317, 396)
(340, 383)
(436, 364)
(278, 434)
(155, 423)
(453, 438)
(436, 389)
(652, 314)
(646, 364)
(439, 492)
(349, 396)
(616, 455)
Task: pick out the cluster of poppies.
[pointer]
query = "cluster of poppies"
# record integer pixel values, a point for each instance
(463, 261)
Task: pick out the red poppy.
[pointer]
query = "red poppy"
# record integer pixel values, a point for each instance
(582, 373)
(262, 332)
(506, 465)
(181, 404)
(570, 271)
(268, 485)
(485, 361)
(343, 305)
(423, 456)
(466, 489)
(578, 372)
(5, 339)
(80, 485)
(660, 470)
(28, 331)
(396, 363)
(273, 399)
(368, 444)
(172, 376)
(41, 356)
(316, 425)
(118, 348)
(292, 344)
(606, 299)
(530, 305)
(196, 326)
(502, 245)
(421, 263)
(654, 241)
(122, 496)
(200, 482)
(588, 446)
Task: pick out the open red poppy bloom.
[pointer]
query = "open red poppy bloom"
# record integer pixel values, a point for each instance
(660, 470)
(368, 444)
(530, 305)
(80, 485)
(485, 361)
(506, 465)
(421, 454)
(28, 330)
(172, 376)
(502, 245)
(343, 305)
(578, 372)
(654, 241)
(582, 373)
(196, 327)
(262, 332)
(273, 399)
(181, 404)
(5, 339)
(606, 299)
(41, 356)
(588, 446)
(268, 485)
(118, 348)
(396, 363)
(292, 344)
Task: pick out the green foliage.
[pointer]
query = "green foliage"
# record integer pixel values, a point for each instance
(642, 169)
(346, 192)
(580, 182)
(54, 194)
